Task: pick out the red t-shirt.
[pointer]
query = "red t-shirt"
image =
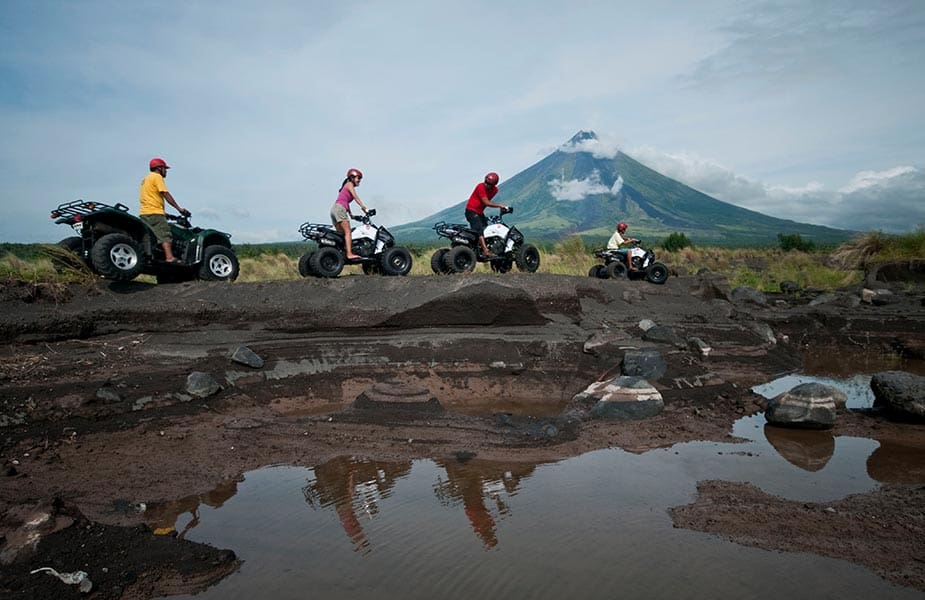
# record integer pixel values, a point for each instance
(479, 196)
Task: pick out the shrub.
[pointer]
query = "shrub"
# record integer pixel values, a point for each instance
(676, 241)
(793, 241)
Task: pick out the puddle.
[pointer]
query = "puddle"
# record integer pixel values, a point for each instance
(594, 526)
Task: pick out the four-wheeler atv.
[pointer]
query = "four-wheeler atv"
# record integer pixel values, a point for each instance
(505, 243)
(373, 243)
(120, 246)
(644, 265)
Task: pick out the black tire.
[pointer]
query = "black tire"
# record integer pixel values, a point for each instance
(527, 258)
(501, 266)
(371, 268)
(598, 272)
(327, 262)
(218, 264)
(438, 261)
(395, 261)
(305, 267)
(657, 273)
(116, 256)
(460, 259)
(68, 256)
(616, 270)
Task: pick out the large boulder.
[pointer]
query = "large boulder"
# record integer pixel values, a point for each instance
(647, 364)
(747, 294)
(806, 406)
(900, 394)
(621, 398)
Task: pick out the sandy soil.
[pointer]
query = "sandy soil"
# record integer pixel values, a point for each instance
(96, 419)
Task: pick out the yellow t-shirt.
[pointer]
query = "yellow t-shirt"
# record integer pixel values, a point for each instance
(152, 203)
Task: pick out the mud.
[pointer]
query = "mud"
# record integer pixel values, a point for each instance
(95, 414)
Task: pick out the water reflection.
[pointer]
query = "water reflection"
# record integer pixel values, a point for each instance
(895, 462)
(483, 488)
(354, 488)
(809, 450)
(165, 517)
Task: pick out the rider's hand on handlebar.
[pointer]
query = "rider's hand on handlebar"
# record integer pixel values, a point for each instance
(185, 212)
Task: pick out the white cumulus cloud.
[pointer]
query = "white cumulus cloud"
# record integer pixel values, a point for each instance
(579, 189)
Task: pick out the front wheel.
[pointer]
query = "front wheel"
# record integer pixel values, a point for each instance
(438, 261)
(327, 262)
(657, 273)
(116, 256)
(305, 267)
(218, 264)
(527, 258)
(396, 261)
(460, 259)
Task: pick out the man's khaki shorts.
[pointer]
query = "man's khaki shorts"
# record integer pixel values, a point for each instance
(158, 224)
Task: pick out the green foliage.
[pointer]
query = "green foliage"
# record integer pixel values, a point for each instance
(676, 241)
(793, 241)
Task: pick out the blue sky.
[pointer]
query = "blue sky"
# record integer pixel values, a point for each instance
(804, 110)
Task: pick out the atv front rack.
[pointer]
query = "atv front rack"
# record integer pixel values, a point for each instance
(83, 208)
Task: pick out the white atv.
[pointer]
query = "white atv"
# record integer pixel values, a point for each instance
(374, 244)
(644, 265)
(506, 244)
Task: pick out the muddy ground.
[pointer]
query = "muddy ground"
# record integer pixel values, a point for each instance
(96, 422)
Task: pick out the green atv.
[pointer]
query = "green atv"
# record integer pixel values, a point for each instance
(120, 246)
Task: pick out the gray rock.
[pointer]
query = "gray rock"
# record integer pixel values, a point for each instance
(806, 406)
(764, 331)
(699, 346)
(710, 286)
(789, 287)
(606, 343)
(622, 398)
(108, 394)
(747, 294)
(646, 324)
(246, 356)
(837, 299)
(900, 393)
(390, 395)
(647, 364)
(664, 334)
(879, 297)
(201, 385)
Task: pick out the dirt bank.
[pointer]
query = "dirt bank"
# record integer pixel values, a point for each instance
(95, 409)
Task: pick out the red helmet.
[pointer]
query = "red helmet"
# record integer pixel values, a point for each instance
(621, 227)
(354, 173)
(492, 178)
(157, 162)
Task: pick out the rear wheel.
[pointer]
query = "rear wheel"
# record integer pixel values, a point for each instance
(68, 256)
(305, 268)
(218, 264)
(616, 270)
(327, 262)
(598, 272)
(657, 273)
(438, 262)
(116, 256)
(396, 261)
(460, 259)
(527, 258)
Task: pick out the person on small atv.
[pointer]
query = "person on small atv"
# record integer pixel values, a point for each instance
(478, 202)
(340, 212)
(152, 196)
(617, 240)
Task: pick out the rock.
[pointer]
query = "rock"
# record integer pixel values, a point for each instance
(764, 331)
(606, 343)
(710, 286)
(909, 271)
(392, 395)
(246, 356)
(647, 364)
(789, 287)
(663, 334)
(646, 324)
(201, 385)
(879, 297)
(807, 406)
(699, 346)
(622, 398)
(836, 299)
(108, 394)
(900, 394)
(747, 294)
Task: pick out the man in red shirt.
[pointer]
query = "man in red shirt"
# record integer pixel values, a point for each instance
(478, 202)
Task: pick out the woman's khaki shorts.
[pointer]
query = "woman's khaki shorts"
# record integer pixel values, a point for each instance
(339, 213)
(158, 224)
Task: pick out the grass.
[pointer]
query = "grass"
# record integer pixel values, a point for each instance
(760, 268)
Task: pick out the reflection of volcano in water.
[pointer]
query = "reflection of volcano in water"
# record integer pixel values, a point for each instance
(894, 462)
(483, 487)
(810, 450)
(354, 487)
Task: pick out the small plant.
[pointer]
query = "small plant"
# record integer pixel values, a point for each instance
(675, 242)
(793, 241)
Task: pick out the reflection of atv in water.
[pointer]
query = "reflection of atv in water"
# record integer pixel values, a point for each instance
(644, 265)
(120, 246)
(505, 243)
(374, 244)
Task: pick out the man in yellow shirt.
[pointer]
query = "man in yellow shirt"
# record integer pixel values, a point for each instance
(152, 196)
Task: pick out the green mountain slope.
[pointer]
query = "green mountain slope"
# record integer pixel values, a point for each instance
(653, 205)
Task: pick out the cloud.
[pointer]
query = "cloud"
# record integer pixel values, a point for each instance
(579, 189)
(891, 200)
(617, 185)
(599, 147)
